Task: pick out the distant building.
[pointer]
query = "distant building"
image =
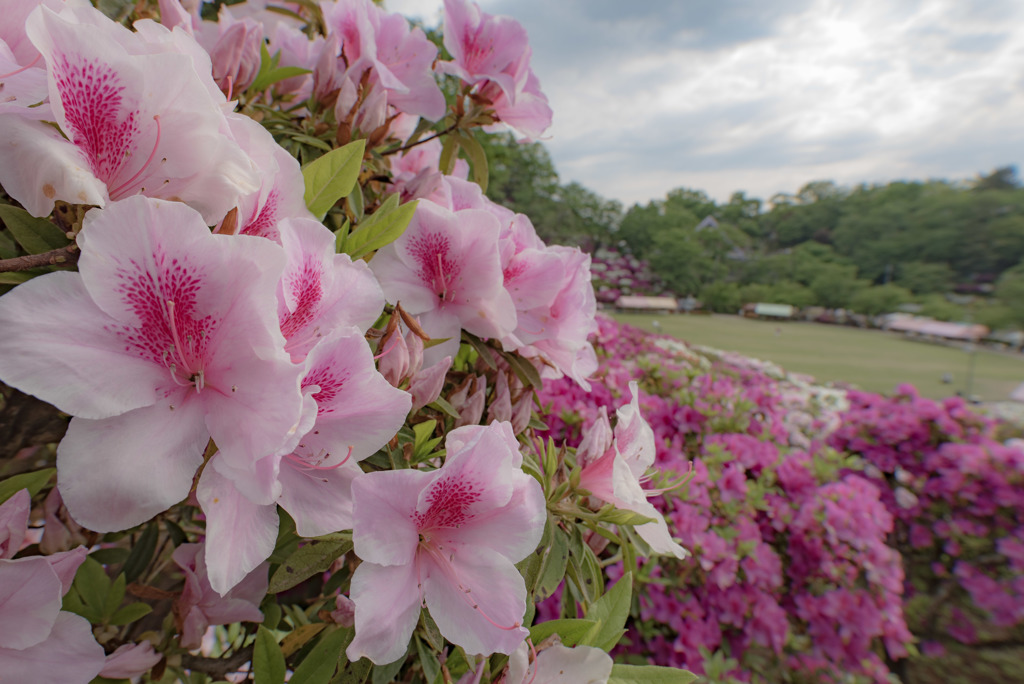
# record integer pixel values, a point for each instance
(638, 304)
(767, 310)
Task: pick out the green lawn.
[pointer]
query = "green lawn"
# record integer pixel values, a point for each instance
(870, 359)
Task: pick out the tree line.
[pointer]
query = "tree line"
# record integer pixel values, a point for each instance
(953, 248)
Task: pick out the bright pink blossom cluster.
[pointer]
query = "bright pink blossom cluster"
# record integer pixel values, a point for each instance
(791, 570)
(956, 494)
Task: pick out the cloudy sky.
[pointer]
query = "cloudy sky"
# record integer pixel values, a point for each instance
(726, 95)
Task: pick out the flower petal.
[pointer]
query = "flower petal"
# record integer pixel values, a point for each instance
(119, 472)
(387, 601)
(54, 344)
(242, 532)
(80, 657)
(477, 603)
(383, 503)
(30, 594)
(319, 501)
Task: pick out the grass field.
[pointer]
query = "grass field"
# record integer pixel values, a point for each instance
(872, 360)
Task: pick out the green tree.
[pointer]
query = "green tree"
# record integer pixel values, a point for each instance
(722, 297)
(836, 285)
(881, 299)
(924, 278)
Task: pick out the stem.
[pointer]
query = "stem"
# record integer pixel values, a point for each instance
(65, 256)
(217, 667)
(403, 148)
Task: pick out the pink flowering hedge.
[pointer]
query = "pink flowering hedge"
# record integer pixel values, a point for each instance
(956, 495)
(819, 525)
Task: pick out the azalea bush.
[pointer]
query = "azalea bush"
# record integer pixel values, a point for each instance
(837, 535)
(956, 494)
(269, 359)
(791, 577)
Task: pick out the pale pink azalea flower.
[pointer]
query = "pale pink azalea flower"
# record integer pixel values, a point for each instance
(166, 337)
(130, 660)
(468, 401)
(614, 464)
(234, 47)
(32, 625)
(416, 175)
(60, 532)
(351, 412)
(199, 606)
(491, 53)
(14, 522)
(559, 664)
(398, 57)
(426, 384)
(528, 113)
(557, 335)
(13, 15)
(445, 269)
(282, 187)
(321, 290)
(448, 539)
(24, 89)
(482, 45)
(136, 114)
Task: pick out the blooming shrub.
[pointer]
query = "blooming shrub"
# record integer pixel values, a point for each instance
(956, 496)
(791, 578)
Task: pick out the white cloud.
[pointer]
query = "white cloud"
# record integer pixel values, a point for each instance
(765, 97)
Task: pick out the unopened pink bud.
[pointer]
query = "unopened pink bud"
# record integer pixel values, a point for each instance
(427, 384)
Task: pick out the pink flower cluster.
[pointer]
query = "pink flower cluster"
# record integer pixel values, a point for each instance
(956, 495)
(790, 568)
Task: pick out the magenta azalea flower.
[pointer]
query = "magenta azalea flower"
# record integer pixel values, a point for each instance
(448, 539)
(166, 337)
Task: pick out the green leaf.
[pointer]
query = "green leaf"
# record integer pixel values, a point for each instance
(431, 632)
(618, 516)
(332, 177)
(126, 615)
(379, 229)
(569, 630)
(318, 667)
(356, 203)
(477, 157)
(552, 568)
(441, 404)
(35, 235)
(88, 595)
(428, 661)
(383, 674)
(584, 570)
(316, 556)
(115, 595)
(270, 73)
(526, 371)
(649, 674)
(142, 552)
(268, 665)
(486, 353)
(33, 482)
(612, 610)
(19, 277)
